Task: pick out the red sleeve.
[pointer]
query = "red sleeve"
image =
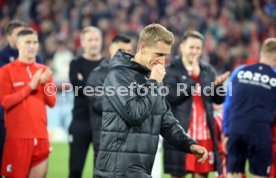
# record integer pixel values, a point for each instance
(7, 98)
(49, 90)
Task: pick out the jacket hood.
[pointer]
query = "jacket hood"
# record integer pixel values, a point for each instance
(122, 59)
(105, 63)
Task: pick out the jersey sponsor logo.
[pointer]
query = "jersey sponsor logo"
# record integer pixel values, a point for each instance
(18, 84)
(256, 78)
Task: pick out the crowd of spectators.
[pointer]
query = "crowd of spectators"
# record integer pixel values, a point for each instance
(233, 29)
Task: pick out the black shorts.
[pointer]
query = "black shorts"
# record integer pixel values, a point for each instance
(257, 150)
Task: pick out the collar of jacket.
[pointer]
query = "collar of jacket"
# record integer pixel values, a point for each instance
(123, 59)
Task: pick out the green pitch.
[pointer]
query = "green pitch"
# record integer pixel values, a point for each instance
(59, 162)
(59, 167)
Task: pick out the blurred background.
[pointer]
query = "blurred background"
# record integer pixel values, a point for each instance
(233, 30)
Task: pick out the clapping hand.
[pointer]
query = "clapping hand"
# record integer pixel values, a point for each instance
(45, 76)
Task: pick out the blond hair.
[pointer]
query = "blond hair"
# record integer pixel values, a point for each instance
(154, 33)
(90, 29)
(269, 46)
(192, 34)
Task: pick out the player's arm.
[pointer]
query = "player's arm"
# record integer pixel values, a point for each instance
(133, 108)
(9, 99)
(49, 89)
(96, 80)
(218, 81)
(75, 76)
(173, 132)
(175, 135)
(228, 101)
(49, 93)
(226, 110)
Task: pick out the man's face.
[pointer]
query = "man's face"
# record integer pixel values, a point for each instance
(126, 47)
(91, 42)
(191, 48)
(156, 54)
(12, 38)
(28, 46)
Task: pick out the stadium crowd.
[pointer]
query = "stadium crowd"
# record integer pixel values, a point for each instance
(233, 29)
(202, 41)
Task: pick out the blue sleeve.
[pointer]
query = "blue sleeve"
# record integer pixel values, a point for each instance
(39, 59)
(2, 63)
(1, 114)
(3, 60)
(228, 101)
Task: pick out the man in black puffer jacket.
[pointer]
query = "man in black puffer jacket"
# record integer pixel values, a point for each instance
(96, 80)
(193, 110)
(135, 112)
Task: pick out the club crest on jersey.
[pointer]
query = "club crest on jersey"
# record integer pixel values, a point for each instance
(9, 168)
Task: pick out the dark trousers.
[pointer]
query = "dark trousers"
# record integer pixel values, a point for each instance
(80, 134)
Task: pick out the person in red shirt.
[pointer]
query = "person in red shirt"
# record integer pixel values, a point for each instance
(273, 166)
(187, 78)
(25, 90)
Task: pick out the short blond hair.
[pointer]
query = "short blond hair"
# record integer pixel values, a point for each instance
(154, 33)
(192, 34)
(269, 46)
(90, 29)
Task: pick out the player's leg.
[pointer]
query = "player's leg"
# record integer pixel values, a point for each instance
(174, 161)
(80, 139)
(178, 176)
(237, 155)
(17, 157)
(234, 175)
(260, 157)
(40, 170)
(197, 175)
(254, 176)
(39, 164)
(273, 165)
